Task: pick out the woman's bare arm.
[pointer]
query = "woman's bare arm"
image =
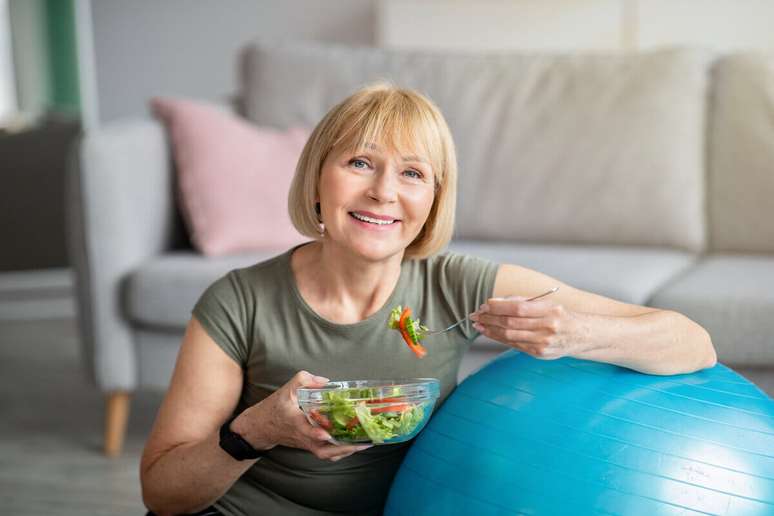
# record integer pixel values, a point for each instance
(572, 322)
(183, 469)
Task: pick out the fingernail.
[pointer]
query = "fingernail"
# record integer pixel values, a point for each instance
(478, 327)
(364, 447)
(321, 379)
(484, 308)
(474, 317)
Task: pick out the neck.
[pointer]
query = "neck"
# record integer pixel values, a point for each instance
(340, 287)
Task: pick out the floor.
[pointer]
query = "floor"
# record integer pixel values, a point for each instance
(51, 417)
(51, 429)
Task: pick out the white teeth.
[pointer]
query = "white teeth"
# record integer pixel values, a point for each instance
(372, 221)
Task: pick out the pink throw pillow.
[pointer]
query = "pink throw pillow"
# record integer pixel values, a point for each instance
(233, 177)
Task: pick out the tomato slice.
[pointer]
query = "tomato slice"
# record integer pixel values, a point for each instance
(401, 407)
(320, 419)
(403, 316)
(418, 349)
(353, 423)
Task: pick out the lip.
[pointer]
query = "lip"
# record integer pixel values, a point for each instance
(374, 215)
(373, 227)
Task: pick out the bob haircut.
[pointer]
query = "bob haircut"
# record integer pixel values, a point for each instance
(401, 119)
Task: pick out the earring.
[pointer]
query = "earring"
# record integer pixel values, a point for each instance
(320, 226)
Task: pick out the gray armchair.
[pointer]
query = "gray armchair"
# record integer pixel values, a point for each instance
(121, 213)
(137, 276)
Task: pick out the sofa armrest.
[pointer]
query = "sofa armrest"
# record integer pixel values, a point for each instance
(120, 212)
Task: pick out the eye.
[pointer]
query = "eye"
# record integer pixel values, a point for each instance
(413, 174)
(359, 163)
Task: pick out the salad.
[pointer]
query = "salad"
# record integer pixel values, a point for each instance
(410, 329)
(356, 415)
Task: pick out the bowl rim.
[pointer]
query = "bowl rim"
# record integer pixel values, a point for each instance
(336, 385)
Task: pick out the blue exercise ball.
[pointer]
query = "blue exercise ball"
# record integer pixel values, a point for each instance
(527, 436)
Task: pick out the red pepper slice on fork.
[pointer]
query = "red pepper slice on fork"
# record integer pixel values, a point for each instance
(418, 349)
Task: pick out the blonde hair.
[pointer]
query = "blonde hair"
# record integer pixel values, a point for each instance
(399, 118)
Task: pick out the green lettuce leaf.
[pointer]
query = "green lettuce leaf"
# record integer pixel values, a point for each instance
(394, 319)
(341, 410)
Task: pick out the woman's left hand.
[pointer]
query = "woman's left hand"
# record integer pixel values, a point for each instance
(541, 328)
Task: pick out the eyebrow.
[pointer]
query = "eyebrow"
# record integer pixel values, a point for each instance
(377, 148)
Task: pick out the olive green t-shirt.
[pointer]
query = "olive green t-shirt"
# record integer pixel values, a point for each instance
(257, 315)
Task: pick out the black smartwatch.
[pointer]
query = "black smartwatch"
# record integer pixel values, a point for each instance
(235, 445)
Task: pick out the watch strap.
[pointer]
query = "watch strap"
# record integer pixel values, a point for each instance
(235, 445)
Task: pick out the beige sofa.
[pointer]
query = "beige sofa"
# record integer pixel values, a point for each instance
(645, 177)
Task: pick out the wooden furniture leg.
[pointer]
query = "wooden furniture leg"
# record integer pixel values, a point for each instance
(116, 416)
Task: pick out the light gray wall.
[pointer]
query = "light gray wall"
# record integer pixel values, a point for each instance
(189, 47)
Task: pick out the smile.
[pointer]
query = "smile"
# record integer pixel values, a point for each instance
(370, 220)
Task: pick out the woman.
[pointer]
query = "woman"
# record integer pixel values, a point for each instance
(375, 187)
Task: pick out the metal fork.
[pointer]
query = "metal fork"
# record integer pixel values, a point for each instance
(438, 332)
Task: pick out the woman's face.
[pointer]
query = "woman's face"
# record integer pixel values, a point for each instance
(374, 202)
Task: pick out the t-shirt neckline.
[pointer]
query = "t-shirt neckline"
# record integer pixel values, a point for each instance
(378, 317)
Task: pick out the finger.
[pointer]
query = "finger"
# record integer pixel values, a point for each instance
(307, 379)
(350, 451)
(523, 337)
(302, 379)
(536, 350)
(517, 307)
(531, 351)
(318, 435)
(347, 449)
(539, 344)
(311, 430)
(524, 348)
(510, 322)
(338, 451)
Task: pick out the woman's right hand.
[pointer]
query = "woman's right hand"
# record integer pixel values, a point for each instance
(277, 420)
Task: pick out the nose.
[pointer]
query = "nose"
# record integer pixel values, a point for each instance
(383, 187)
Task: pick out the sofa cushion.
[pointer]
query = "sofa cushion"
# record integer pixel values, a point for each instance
(162, 292)
(627, 274)
(741, 154)
(233, 178)
(732, 296)
(589, 148)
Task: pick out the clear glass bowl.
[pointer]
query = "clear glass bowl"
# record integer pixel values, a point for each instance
(371, 411)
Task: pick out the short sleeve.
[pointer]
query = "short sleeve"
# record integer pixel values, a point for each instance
(222, 311)
(466, 282)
